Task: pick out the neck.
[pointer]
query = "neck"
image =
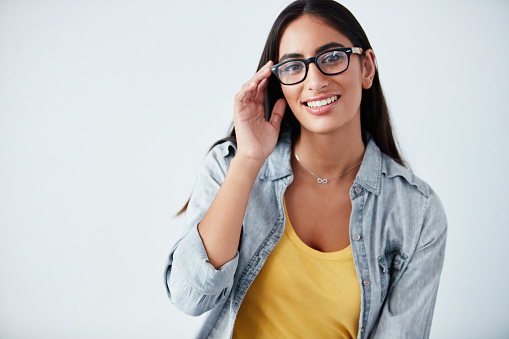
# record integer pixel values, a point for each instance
(328, 155)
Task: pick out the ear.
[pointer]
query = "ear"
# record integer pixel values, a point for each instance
(369, 69)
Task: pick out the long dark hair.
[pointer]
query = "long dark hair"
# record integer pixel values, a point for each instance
(375, 117)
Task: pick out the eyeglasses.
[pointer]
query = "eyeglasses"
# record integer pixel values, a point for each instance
(332, 62)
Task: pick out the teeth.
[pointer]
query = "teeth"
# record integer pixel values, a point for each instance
(320, 103)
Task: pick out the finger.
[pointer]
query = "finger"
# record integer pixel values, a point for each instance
(268, 64)
(260, 94)
(248, 90)
(278, 112)
(263, 73)
(245, 95)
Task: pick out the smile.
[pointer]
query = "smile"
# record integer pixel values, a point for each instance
(320, 103)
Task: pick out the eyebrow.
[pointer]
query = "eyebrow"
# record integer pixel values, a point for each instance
(318, 51)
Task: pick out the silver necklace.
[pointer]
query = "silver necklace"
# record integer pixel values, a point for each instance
(325, 180)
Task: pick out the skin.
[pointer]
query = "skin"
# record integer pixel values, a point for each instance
(329, 144)
(221, 226)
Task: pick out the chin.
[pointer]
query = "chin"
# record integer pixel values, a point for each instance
(330, 123)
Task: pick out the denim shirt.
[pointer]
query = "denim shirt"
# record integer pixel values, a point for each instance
(397, 233)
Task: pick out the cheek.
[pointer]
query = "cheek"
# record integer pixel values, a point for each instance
(292, 94)
(354, 87)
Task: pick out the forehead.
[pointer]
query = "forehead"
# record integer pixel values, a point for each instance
(306, 33)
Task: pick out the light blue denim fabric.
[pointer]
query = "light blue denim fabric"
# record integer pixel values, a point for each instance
(397, 232)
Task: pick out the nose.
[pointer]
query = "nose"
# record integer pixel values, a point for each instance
(316, 80)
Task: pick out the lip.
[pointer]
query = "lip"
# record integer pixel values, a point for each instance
(324, 109)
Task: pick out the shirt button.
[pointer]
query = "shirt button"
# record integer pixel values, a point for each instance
(358, 190)
(362, 329)
(357, 237)
(366, 283)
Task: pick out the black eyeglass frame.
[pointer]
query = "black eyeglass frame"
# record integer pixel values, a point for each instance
(348, 50)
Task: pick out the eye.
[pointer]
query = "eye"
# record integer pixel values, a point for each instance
(332, 57)
(292, 67)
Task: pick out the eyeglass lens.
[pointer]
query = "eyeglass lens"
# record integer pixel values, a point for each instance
(329, 63)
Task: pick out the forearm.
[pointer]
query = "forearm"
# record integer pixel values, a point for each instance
(221, 226)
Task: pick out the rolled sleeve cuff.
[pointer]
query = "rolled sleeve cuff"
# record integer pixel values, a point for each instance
(192, 264)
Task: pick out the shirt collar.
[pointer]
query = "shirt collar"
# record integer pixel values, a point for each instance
(278, 164)
(369, 175)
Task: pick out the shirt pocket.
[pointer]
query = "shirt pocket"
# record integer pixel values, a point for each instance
(390, 264)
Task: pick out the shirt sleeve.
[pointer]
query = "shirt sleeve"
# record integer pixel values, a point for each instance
(194, 286)
(408, 310)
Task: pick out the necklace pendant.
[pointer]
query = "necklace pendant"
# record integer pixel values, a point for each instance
(321, 181)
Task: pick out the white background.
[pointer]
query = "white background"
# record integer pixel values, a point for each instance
(107, 109)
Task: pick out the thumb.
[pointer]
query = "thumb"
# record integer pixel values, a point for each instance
(278, 112)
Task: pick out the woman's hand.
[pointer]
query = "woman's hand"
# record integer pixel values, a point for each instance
(256, 137)
(221, 226)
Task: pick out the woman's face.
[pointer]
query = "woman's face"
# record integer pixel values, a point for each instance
(304, 38)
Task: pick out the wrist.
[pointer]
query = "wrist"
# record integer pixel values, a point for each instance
(250, 166)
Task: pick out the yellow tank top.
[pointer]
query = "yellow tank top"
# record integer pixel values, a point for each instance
(301, 293)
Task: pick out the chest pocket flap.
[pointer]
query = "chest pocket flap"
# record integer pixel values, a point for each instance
(390, 264)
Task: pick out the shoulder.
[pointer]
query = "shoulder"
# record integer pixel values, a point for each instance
(219, 157)
(223, 149)
(397, 188)
(276, 165)
(396, 174)
(399, 183)
(379, 173)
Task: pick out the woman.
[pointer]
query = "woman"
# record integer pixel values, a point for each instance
(305, 222)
